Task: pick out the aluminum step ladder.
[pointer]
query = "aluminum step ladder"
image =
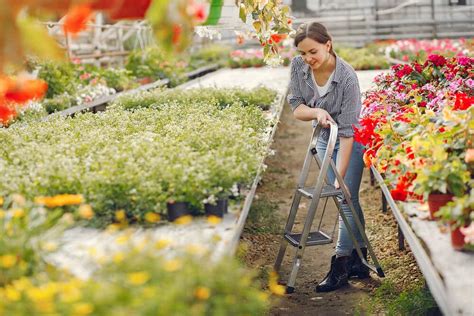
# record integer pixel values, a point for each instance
(321, 190)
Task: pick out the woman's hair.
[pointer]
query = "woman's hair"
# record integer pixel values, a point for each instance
(315, 31)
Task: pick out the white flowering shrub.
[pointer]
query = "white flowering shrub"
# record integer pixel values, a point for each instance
(181, 150)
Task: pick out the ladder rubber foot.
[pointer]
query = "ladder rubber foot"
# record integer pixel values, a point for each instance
(290, 289)
(380, 273)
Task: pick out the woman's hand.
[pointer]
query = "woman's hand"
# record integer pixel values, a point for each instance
(323, 117)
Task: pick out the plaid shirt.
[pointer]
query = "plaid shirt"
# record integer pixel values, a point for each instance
(342, 100)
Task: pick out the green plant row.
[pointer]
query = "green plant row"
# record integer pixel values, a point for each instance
(131, 281)
(186, 149)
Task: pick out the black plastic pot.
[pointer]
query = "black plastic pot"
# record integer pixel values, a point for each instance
(218, 209)
(177, 209)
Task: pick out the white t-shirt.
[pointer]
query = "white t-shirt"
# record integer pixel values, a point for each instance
(323, 89)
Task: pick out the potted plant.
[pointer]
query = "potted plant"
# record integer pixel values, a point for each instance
(459, 214)
(441, 182)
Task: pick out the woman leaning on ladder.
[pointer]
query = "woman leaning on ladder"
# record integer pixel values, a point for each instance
(324, 88)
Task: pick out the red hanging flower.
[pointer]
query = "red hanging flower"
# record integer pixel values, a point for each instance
(277, 38)
(23, 90)
(437, 60)
(7, 112)
(77, 18)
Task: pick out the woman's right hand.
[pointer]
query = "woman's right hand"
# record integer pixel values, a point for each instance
(322, 117)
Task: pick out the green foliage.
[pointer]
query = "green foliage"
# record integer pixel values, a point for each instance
(210, 54)
(156, 64)
(363, 58)
(58, 103)
(118, 79)
(143, 283)
(389, 300)
(60, 76)
(139, 160)
(264, 217)
(262, 97)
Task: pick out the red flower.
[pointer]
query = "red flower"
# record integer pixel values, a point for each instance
(463, 102)
(399, 194)
(441, 129)
(277, 38)
(176, 37)
(76, 18)
(7, 112)
(403, 71)
(437, 60)
(23, 90)
(422, 104)
(418, 67)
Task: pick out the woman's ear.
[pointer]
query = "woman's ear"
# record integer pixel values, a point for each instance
(329, 45)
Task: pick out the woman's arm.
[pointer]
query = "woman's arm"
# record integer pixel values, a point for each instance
(305, 113)
(343, 157)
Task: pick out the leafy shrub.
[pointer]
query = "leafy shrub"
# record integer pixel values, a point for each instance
(154, 63)
(61, 77)
(58, 103)
(118, 79)
(137, 161)
(363, 58)
(210, 54)
(262, 97)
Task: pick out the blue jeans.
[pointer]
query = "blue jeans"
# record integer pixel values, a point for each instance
(352, 179)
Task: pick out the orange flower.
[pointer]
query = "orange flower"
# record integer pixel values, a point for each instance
(76, 18)
(60, 200)
(22, 90)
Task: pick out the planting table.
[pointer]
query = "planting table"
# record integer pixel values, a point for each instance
(448, 273)
(82, 248)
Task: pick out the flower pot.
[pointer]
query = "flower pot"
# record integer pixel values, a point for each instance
(457, 238)
(177, 209)
(436, 201)
(218, 209)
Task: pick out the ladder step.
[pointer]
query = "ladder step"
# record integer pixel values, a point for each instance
(314, 238)
(328, 190)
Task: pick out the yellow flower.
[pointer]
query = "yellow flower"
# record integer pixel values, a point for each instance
(120, 215)
(118, 257)
(82, 309)
(172, 265)
(1, 200)
(122, 240)
(85, 211)
(195, 249)
(277, 289)
(152, 217)
(7, 261)
(50, 246)
(60, 200)
(22, 284)
(183, 220)
(138, 278)
(214, 220)
(162, 243)
(12, 294)
(18, 213)
(202, 293)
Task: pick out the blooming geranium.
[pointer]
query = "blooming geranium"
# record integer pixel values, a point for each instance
(410, 101)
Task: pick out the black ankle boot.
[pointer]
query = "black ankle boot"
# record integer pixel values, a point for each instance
(337, 276)
(355, 266)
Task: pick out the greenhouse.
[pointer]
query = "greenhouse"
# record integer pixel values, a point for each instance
(183, 157)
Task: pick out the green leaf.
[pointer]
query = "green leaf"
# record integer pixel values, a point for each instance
(242, 13)
(36, 40)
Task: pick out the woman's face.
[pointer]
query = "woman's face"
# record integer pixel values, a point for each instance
(314, 54)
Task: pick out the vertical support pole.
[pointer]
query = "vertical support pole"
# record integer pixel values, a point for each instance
(384, 203)
(401, 239)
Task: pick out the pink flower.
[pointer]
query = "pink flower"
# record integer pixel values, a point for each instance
(468, 233)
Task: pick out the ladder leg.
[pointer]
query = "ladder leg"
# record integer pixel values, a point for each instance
(288, 227)
(290, 286)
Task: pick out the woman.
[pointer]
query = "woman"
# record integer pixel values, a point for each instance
(325, 88)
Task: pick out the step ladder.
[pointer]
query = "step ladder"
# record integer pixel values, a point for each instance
(321, 190)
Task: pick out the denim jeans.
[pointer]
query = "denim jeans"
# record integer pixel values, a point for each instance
(352, 179)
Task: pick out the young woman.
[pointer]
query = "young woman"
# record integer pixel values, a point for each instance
(324, 88)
